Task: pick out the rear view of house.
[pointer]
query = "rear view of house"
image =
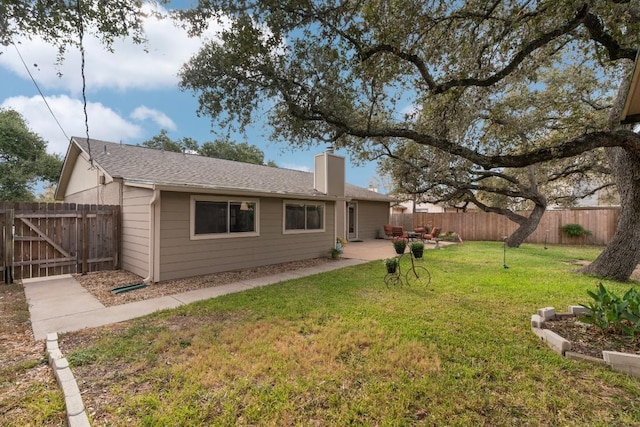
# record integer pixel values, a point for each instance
(186, 215)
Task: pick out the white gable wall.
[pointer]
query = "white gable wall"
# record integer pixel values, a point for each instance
(84, 186)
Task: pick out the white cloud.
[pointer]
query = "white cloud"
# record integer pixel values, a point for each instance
(144, 113)
(127, 67)
(104, 123)
(409, 112)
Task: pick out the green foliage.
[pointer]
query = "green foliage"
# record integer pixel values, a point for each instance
(416, 246)
(609, 311)
(57, 21)
(163, 142)
(575, 230)
(82, 357)
(240, 152)
(350, 72)
(228, 150)
(335, 252)
(23, 159)
(391, 262)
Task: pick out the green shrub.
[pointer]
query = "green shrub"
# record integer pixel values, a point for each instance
(575, 230)
(609, 311)
(416, 246)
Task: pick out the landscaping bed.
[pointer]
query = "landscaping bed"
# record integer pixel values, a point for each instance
(589, 340)
(100, 283)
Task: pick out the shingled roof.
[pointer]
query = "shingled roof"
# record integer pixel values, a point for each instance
(140, 165)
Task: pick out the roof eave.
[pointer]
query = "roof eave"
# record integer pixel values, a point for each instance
(631, 109)
(231, 191)
(73, 151)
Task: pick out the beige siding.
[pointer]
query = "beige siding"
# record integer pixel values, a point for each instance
(108, 194)
(182, 257)
(341, 220)
(372, 216)
(135, 230)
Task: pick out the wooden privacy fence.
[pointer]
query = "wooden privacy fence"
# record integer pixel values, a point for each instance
(45, 239)
(482, 226)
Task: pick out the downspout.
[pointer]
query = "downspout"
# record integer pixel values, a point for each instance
(152, 235)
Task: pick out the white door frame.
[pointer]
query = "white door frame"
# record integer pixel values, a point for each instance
(352, 220)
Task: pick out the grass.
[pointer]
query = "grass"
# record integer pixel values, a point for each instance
(342, 348)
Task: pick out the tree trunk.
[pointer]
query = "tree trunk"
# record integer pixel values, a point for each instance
(622, 254)
(526, 226)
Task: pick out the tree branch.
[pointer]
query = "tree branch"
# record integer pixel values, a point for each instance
(597, 31)
(518, 58)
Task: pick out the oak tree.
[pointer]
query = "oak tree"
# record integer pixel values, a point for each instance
(23, 159)
(362, 73)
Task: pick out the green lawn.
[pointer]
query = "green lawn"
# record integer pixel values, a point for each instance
(342, 348)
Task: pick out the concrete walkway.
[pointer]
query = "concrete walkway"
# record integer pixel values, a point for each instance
(61, 304)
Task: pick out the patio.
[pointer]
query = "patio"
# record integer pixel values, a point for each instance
(371, 250)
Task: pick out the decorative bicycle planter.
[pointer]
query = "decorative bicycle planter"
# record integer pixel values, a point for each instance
(417, 275)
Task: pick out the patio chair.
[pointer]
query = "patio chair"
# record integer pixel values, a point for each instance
(397, 231)
(388, 230)
(432, 235)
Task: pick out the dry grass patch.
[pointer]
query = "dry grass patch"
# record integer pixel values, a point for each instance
(28, 391)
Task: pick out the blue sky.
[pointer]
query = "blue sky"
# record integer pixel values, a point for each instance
(131, 95)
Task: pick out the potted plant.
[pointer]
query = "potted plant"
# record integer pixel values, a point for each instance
(336, 252)
(399, 244)
(417, 248)
(391, 264)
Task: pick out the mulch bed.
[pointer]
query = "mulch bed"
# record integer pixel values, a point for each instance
(590, 340)
(100, 283)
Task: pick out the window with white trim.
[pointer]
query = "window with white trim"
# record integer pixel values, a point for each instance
(303, 216)
(216, 217)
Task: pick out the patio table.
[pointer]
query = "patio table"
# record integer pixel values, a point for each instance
(411, 236)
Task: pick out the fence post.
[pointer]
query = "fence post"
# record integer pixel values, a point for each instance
(85, 242)
(8, 246)
(117, 237)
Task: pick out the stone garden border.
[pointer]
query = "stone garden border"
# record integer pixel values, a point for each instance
(76, 414)
(622, 362)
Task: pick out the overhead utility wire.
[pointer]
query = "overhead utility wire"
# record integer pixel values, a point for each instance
(84, 80)
(39, 91)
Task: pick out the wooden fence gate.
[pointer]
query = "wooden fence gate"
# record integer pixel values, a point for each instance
(45, 239)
